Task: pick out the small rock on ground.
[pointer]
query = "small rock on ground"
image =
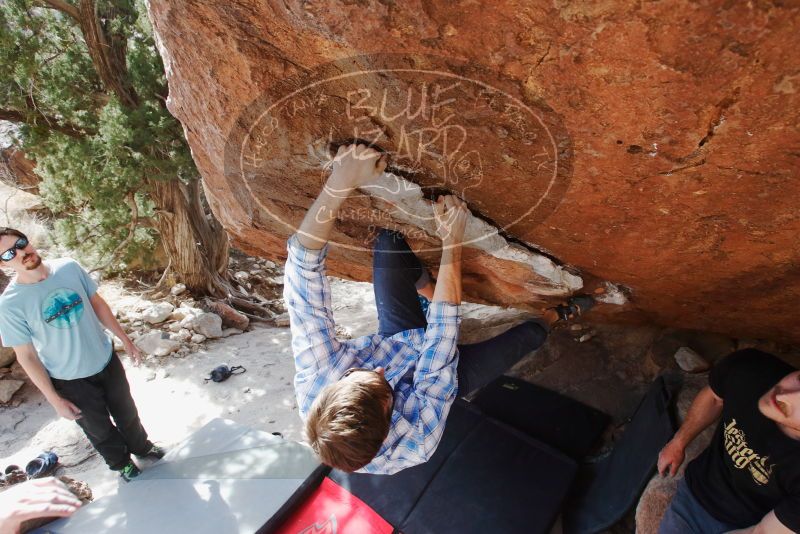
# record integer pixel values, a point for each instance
(690, 361)
(282, 320)
(158, 313)
(207, 324)
(7, 389)
(177, 289)
(7, 356)
(228, 332)
(157, 343)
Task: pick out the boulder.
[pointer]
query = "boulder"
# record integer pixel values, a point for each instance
(207, 324)
(177, 289)
(159, 313)
(183, 335)
(157, 343)
(282, 320)
(690, 361)
(7, 389)
(7, 356)
(228, 332)
(230, 317)
(617, 141)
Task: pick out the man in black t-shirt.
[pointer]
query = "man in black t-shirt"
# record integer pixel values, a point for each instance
(748, 479)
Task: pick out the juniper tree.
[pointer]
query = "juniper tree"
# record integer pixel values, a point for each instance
(84, 80)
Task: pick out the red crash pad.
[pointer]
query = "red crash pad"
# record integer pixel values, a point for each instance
(331, 509)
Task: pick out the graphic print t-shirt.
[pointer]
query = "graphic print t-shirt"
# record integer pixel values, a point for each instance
(57, 317)
(751, 467)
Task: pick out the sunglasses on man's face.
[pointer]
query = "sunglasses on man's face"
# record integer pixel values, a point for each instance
(11, 253)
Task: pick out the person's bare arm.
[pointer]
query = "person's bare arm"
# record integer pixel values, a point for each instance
(704, 411)
(353, 166)
(451, 218)
(106, 316)
(29, 360)
(46, 497)
(769, 525)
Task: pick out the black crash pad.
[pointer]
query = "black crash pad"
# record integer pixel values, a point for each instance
(484, 477)
(563, 423)
(604, 491)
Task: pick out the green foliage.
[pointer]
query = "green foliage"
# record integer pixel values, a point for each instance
(89, 181)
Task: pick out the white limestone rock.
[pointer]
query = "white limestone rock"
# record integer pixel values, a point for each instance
(159, 313)
(207, 324)
(157, 343)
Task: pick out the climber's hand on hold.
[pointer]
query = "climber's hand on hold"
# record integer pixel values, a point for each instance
(355, 166)
(451, 219)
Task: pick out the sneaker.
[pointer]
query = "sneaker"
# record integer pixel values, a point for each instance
(154, 452)
(129, 472)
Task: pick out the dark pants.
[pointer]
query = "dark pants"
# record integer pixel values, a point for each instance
(686, 515)
(397, 274)
(102, 395)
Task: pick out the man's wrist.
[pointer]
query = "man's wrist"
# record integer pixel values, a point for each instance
(681, 440)
(337, 183)
(53, 398)
(451, 251)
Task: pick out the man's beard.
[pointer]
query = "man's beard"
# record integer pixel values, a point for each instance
(33, 265)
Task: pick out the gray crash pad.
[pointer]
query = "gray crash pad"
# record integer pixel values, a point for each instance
(223, 478)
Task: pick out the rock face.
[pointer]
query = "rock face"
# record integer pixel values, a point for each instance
(651, 145)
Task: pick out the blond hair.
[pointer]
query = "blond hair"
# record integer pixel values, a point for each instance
(349, 420)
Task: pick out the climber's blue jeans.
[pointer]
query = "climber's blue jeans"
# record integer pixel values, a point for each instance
(686, 515)
(396, 276)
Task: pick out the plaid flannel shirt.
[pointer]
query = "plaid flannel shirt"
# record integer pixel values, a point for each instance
(419, 364)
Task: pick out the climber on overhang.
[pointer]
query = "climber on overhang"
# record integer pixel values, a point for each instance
(378, 403)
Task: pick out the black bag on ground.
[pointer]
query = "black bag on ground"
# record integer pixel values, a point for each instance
(223, 372)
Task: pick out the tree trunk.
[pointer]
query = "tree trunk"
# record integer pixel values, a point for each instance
(107, 51)
(195, 242)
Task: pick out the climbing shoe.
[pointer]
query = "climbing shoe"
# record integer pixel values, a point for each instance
(129, 472)
(575, 307)
(154, 452)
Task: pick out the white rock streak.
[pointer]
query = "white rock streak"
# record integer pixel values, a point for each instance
(410, 206)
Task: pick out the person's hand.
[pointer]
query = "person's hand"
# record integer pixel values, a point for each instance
(671, 458)
(134, 353)
(44, 497)
(451, 219)
(66, 409)
(355, 166)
